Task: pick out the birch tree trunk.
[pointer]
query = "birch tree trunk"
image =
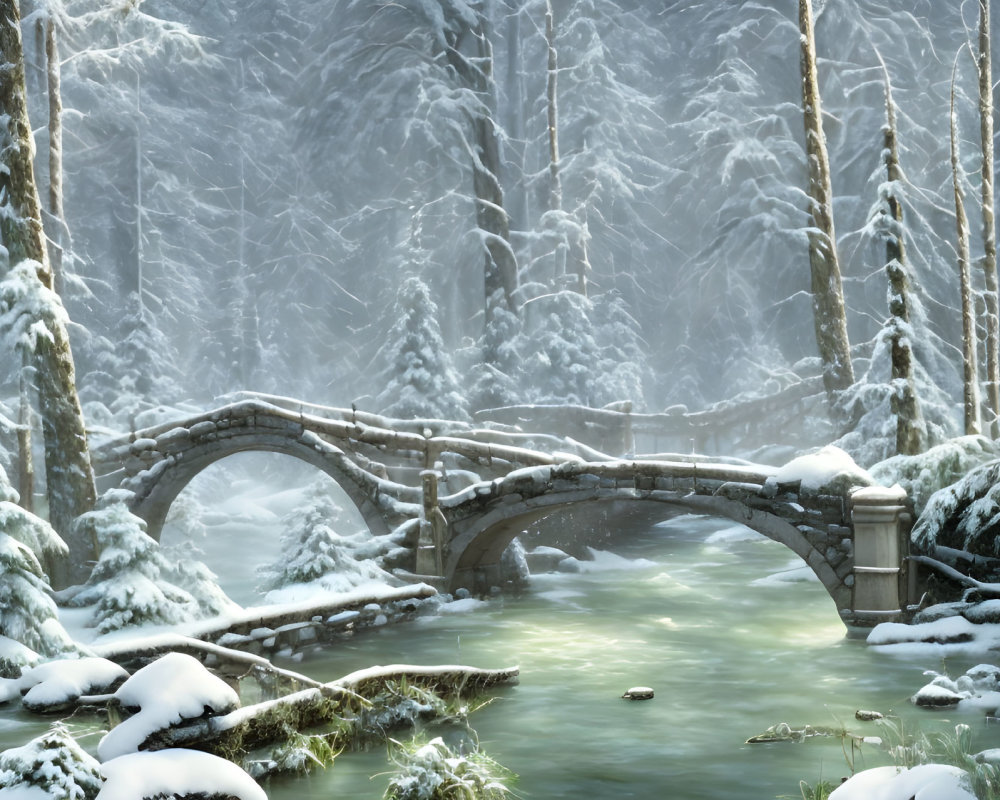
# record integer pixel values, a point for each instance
(970, 369)
(829, 310)
(68, 473)
(989, 224)
(905, 406)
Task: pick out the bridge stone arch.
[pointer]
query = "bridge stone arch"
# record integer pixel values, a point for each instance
(820, 529)
(473, 559)
(182, 454)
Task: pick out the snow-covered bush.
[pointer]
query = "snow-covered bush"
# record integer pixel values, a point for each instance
(420, 381)
(942, 465)
(57, 684)
(313, 552)
(53, 765)
(964, 516)
(133, 582)
(436, 772)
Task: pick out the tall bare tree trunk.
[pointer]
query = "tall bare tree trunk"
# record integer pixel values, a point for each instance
(68, 473)
(970, 369)
(829, 310)
(989, 223)
(25, 461)
(905, 406)
(552, 103)
(572, 251)
(54, 81)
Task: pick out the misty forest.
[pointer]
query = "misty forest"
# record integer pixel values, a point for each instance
(487, 398)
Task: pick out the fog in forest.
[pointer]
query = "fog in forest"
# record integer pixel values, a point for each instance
(249, 185)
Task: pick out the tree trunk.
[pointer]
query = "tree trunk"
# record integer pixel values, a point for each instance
(54, 79)
(573, 249)
(500, 268)
(989, 224)
(970, 370)
(905, 406)
(68, 473)
(829, 310)
(25, 461)
(551, 98)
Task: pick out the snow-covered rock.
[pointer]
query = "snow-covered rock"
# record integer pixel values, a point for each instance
(55, 684)
(173, 688)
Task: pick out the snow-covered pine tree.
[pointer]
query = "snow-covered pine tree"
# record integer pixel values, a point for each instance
(562, 358)
(623, 368)
(132, 370)
(29, 626)
(133, 583)
(312, 549)
(420, 380)
(51, 765)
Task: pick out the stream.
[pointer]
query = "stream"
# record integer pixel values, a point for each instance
(726, 626)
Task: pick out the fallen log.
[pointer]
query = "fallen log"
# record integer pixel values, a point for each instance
(150, 647)
(238, 732)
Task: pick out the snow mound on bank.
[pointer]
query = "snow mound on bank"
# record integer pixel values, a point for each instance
(166, 773)
(923, 782)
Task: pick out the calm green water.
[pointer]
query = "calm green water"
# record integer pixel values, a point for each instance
(677, 606)
(727, 658)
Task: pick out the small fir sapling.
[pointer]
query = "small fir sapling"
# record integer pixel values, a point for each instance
(29, 627)
(420, 379)
(54, 765)
(133, 583)
(312, 550)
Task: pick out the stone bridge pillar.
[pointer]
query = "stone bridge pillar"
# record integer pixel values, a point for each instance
(881, 520)
(433, 529)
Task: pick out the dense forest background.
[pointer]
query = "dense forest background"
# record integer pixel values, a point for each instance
(249, 184)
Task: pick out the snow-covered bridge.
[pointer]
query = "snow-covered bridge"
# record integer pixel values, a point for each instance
(377, 466)
(853, 538)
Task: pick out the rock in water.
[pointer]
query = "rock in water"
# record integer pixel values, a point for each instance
(638, 693)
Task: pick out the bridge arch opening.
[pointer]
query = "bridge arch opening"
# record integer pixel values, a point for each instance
(232, 513)
(474, 558)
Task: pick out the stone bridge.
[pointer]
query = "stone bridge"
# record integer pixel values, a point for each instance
(855, 540)
(378, 467)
